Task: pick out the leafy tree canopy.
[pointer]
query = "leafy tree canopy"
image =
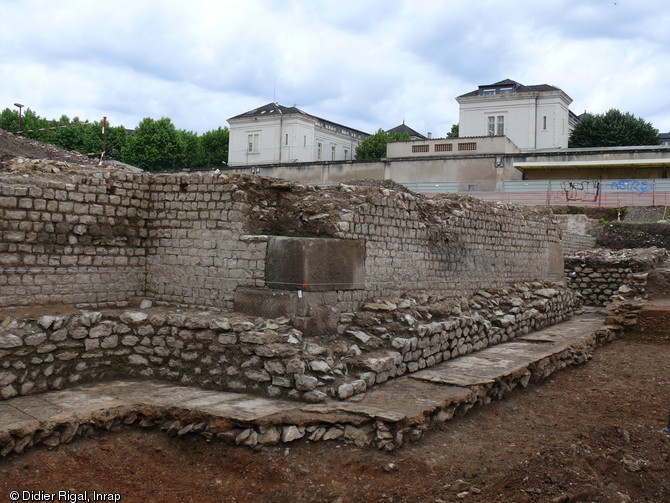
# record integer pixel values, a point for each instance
(612, 129)
(154, 145)
(374, 146)
(454, 131)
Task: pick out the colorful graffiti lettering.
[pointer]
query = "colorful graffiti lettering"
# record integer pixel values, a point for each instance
(630, 186)
(581, 191)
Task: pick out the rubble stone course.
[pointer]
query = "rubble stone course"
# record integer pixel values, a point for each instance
(601, 276)
(242, 353)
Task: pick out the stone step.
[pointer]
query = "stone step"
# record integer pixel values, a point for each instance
(386, 416)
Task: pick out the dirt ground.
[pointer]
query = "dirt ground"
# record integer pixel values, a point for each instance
(589, 434)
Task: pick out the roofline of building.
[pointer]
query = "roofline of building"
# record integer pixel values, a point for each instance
(300, 113)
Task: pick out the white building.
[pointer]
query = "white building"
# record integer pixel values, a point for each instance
(275, 134)
(533, 117)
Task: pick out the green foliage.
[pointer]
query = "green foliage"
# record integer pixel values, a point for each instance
(612, 129)
(215, 147)
(454, 131)
(153, 146)
(374, 146)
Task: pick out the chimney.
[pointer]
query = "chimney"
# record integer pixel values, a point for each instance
(430, 135)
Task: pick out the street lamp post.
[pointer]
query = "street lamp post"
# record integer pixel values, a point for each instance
(20, 107)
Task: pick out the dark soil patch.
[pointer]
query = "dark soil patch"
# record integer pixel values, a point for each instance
(590, 434)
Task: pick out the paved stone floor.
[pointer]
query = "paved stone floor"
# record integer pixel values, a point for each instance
(409, 400)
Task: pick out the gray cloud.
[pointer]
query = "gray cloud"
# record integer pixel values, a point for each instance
(367, 64)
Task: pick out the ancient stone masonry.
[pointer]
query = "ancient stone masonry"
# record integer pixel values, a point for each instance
(236, 352)
(71, 237)
(100, 239)
(601, 276)
(578, 232)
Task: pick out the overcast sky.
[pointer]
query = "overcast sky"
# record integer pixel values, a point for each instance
(363, 63)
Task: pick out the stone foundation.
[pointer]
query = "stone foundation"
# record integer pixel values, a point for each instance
(266, 356)
(602, 275)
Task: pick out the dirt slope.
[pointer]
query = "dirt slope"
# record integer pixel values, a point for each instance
(590, 434)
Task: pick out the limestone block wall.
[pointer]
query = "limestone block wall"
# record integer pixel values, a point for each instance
(72, 238)
(100, 237)
(198, 249)
(455, 244)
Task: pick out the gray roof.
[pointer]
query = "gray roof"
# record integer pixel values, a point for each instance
(402, 128)
(272, 109)
(517, 88)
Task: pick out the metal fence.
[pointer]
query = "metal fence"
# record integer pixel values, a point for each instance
(595, 193)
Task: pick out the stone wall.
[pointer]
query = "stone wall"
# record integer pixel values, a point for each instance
(601, 276)
(72, 237)
(41, 351)
(103, 237)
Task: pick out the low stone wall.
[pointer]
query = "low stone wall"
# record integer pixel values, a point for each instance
(391, 338)
(270, 357)
(603, 275)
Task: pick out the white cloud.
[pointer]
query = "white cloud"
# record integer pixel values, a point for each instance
(367, 64)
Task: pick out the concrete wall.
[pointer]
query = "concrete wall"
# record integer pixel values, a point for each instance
(642, 162)
(447, 147)
(479, 172)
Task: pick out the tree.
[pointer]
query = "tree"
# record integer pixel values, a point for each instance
(215, 147)
(153, 146)
(374, 146)
(454, 131)
(612, 129)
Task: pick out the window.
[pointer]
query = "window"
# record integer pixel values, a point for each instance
(286, 140)
(332, 152)
(318, 151)
(304, 141)
(443, 147)
(501, 125)
(420, 148)
(467, 146)
(492, 126)
(252, 141)
(544, 123)
(346, 154)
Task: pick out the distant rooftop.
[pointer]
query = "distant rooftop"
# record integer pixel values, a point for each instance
(509, 86)
(275, 109)
(402, 128)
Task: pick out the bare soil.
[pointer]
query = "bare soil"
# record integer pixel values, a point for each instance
(19, 146)
(589, 434)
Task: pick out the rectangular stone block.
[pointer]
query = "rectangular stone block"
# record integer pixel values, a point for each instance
(315, 264)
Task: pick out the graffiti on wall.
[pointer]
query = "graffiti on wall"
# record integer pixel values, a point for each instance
(581, 191)
(630, 186)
